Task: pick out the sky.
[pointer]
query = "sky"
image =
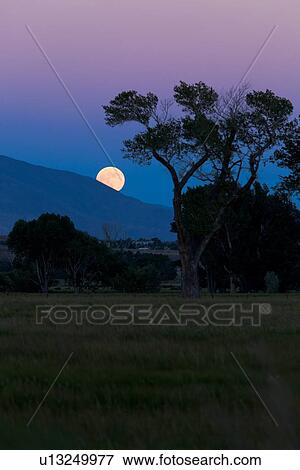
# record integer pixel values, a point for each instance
(101, 47)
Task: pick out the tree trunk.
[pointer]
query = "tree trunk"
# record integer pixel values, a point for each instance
(190, 277)
(75, 283)
(44, 286)
(232, 284)
(189, 265)
(210, 282)
(189, 262)
(42, 276)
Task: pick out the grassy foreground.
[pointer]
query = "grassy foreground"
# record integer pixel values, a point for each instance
(148, 387)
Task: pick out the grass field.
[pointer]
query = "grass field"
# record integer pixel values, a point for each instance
(148, 387)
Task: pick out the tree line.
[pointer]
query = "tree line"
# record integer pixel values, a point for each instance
(257, 248)
(50, 248)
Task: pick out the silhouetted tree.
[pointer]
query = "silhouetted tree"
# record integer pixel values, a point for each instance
(221, 140)
(42, 243)
(83, 260)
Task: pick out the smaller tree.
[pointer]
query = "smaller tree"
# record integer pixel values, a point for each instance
(42, 243)
(89, 262)
(79, 258)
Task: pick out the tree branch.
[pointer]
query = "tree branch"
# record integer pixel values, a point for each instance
(192, 171)
(167, 165)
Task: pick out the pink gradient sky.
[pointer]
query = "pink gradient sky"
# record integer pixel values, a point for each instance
(101, 47)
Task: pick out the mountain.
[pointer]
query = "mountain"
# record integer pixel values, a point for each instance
(26, 191)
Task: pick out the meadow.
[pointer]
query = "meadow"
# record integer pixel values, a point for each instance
(148, 387)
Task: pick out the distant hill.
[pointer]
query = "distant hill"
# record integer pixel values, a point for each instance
(26, 191)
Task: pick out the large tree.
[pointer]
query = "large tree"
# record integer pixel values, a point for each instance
(220, 140)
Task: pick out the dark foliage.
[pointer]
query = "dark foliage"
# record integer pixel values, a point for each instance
(260, 234)
(50, 248)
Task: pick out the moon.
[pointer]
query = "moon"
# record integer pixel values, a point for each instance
(112, 177)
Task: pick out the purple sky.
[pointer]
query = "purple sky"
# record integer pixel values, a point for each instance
(101, 47)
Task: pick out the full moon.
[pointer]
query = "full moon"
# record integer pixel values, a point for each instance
(112, 177)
